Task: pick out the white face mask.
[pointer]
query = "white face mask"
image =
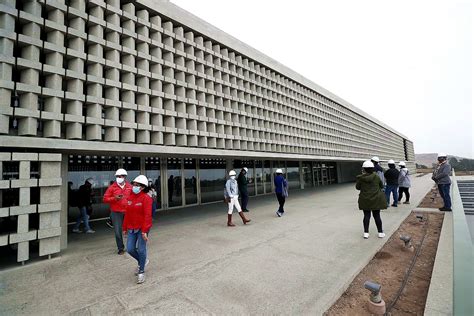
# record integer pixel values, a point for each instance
(120, 180)
(232, 177)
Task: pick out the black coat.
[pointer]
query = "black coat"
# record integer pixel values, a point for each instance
(84, 195)
(391, 176)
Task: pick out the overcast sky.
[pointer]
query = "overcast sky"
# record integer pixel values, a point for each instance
(407, 63)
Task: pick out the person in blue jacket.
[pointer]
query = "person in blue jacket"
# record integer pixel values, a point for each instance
(281, 190)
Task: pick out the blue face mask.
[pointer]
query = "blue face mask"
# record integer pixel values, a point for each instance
(136, 189)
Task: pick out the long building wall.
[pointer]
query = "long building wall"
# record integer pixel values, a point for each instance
(118, 71)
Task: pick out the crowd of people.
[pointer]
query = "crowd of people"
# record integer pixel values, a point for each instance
(133, 205)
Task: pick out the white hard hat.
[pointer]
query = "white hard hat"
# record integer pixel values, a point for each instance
(232, 173)
(401, 163)
(141, 179)
(279, 171)
(391, 162)
(442, 155)
(368, 164)
(121, 172)
(246, 169)
(375, 158)
(90, 180)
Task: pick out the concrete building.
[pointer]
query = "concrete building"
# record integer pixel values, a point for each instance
(87, 87)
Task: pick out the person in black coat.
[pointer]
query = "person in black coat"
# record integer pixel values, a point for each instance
(391, 177)
(84, 203)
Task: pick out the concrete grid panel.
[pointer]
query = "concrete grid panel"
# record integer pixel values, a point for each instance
(48, 230)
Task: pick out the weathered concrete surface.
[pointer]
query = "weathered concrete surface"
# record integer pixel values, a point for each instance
(299, 263)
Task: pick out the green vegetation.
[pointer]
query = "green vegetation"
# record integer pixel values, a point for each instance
(463, 164)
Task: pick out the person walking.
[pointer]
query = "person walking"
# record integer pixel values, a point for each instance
(371, 197)
(151, 191)
(137, 224)
(404, 183)
(243, 182)
(441, 178)
(378, 169)
(281, 191)
(116, 196)
(84, 203)
(231, 195)
(391, 177)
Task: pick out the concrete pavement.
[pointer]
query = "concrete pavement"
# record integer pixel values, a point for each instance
(299, 263)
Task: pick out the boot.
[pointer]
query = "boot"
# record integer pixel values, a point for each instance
(243, 218)
(229, 220)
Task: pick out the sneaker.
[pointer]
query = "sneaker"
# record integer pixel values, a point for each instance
(394, 205)
(366, 235)
(279, 214)
(121, 252)
(77, 231)
(90, 231)
(108, 222)
(406, 202)
(141, 278)
(138, 268)
(445, 209)
(381, 235)
(246, 211)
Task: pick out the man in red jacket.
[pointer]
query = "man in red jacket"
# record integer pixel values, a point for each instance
(137, 224)
(116, 196)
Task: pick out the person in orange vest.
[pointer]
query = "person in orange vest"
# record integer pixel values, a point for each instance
(116, 196)
(137, 224)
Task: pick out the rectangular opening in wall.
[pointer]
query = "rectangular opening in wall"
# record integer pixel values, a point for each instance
(9, 197)
(11, 170)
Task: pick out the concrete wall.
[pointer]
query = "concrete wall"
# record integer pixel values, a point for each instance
(133, 74)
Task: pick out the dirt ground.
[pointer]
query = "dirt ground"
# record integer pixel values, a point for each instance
(432, 199)
(389, 266)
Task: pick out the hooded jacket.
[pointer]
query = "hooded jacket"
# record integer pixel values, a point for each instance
(391, 176)
(371, 196)
(113, 190)
(441, 173)
(231, 188)
(404, 178)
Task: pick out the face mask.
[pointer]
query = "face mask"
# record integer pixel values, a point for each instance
(232, 177)
(136, 189)
(120, 180)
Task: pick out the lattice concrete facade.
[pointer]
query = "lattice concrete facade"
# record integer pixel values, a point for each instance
(117, 71)
(37, 215)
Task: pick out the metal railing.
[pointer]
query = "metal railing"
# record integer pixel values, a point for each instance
(463, 257)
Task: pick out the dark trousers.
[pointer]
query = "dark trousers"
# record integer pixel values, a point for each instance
(445, 194)
(281, 200)
(117, 221)
(378, 220)
(244, 201)
(391, 189)
(402, 190)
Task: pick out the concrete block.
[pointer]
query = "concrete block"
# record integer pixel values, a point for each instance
(25, 195)
(3, 240)
(24, 156)
(4, 212)
(21, 210)
(5, 156)
(50, 194)
(49, 157)
(4, 184)
(50, 207)
(50, 169)
(50, 182)
(49, 246)
(23, 183)
(49, 232)
(23, 251)
(23, 237)
(49, 220)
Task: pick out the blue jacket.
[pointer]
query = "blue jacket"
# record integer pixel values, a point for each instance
(279, 183)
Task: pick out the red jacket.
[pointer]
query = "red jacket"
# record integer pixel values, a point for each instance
(138, 214)
(113, 190)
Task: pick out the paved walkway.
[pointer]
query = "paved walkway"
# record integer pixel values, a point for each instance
(299, 263)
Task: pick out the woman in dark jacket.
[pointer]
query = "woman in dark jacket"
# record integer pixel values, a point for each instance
(371, 197)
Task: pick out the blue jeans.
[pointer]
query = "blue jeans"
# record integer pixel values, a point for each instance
(445, 194)
(245, 201)
(391, 188)
(136, 247)
(83, 217)
(117, 220)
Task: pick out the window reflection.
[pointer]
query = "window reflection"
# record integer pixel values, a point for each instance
(175, 196)
(212, 176)
(153, 173)
(259, 176)
(190, 181)
(307, 174)
(293, 174)
(268, 177)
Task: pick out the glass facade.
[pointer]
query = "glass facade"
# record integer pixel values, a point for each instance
(293, 174)
(190, 181)
(153, 173)
(132, 165)
(102, 170)
(307, 170)
(175, 196)
(212, 177)
(238, 165)
(259, 177)
(268, 176)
